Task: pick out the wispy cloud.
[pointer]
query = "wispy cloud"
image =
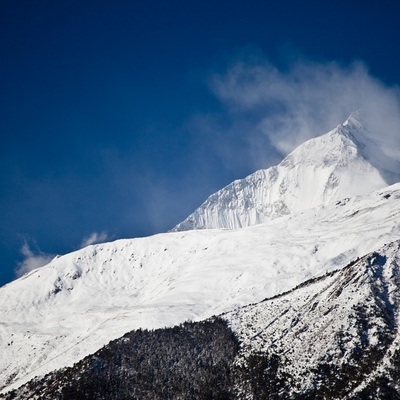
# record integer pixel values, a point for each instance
(93, 238)
(32, 259)
(284, 107)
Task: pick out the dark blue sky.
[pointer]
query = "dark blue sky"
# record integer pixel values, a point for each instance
(108, 118)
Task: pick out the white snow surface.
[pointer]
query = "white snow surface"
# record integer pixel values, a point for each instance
(344, 162)
(56, 315)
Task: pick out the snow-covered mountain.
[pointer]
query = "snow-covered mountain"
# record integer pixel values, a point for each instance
(344, 162)
(56, 315)
(333, 204)
(333, 337)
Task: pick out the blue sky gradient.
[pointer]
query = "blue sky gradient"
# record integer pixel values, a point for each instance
(112, 122)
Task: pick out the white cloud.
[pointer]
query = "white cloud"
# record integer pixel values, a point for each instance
(32, 260)
(93, 238)
(35, 258)
(283, 108)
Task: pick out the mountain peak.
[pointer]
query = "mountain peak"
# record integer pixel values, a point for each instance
(356, 119)
(344, 162)
(373, 147)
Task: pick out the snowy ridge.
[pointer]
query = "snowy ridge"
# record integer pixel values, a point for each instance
(344, 162)
(56, 315)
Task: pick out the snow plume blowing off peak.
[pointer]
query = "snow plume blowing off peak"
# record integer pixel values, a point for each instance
(286, 109)
(380, 150)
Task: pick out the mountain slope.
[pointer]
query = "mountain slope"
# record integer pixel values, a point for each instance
(345, 162)
(335, 337)
(56, 315)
